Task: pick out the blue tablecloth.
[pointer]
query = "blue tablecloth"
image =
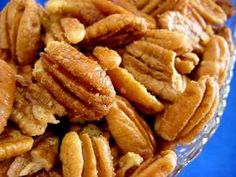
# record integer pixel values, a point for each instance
(218, 158)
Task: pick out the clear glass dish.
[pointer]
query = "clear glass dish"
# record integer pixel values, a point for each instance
(186, 154)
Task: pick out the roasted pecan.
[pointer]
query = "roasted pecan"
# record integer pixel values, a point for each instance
(7, 93)
(136, 136)
(215, 60)
(210, 11)
(115, 30)
(76, 81)
(43, 156)
(161, 165)
(176, 116)
(34, 108)
(13, 143)
(130, 88)
(153, 66)
(21, 23)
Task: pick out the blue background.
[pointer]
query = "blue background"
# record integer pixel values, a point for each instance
(218, 158)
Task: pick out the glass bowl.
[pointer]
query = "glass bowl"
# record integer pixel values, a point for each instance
(188, 153)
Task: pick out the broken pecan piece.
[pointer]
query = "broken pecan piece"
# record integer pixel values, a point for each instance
(7, 93)
(135, 136)
(76, 81)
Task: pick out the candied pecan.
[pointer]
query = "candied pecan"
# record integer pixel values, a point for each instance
(209, 97)
(210, 11)
(153, 66)
(43, 156)
(135, 136)
(170, 40)
(215, 60)
(161, 165)
(115, 30)
(76, 81)
(34, 108)
(128, 161)
(107, 58)
(7, 93)
(176, 116)
(126, 85)
(13, 143)
(21, 23)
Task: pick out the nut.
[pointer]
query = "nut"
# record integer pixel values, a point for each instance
(161, 165)
(135, 136)
(7, 93)
(81, 85)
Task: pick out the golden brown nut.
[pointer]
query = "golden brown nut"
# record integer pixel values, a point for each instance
(115, 30)
(127, 86)
(215, 60)
(34, 108)
(20, 24)
(13, 143)
(135, 136)
(7, 93)
(76, 81)
(227, 6)
(153, 66)
(148, 6)
(107, 58)
(170, 40)
(176, 116)
(159, 166)
(212, 13)
(226, 33)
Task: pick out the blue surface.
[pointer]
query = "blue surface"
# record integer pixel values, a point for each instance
(218, 158)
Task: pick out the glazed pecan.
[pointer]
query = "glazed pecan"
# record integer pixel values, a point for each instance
(7, 93)
(115, 30)
(43, 156)
(215, 60)
(21, 23)
(34, 108)
(153, 66)
(210, 11)
(76, 81)
(13, 143)
(161, 165)
(136, 136)
(130, 88)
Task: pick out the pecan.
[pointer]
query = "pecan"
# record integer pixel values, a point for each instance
(148, 6)
(127, 86)
(88, 155)
(107, 58)
(7, 92)
(43, 156)
(210, 11)
(76, 81)
(13, 143)
(153, 66)
(215, 60)
(227, 6)
(161, 165)
(170, 40)
(136, 136)
(20, 23)
(115, 30)
(34, 108)
(226, 33)
(176, 116)
(4, 166)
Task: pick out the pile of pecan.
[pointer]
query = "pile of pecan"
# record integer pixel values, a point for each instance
(104, 88)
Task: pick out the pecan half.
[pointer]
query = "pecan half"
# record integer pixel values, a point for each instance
(130, 88)
(20, 24)
(7, 93)
(13, 143)
(153, 66)
(215, 60)
(76, 81)
(34, 108)
(135, 136)
(161, 165)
